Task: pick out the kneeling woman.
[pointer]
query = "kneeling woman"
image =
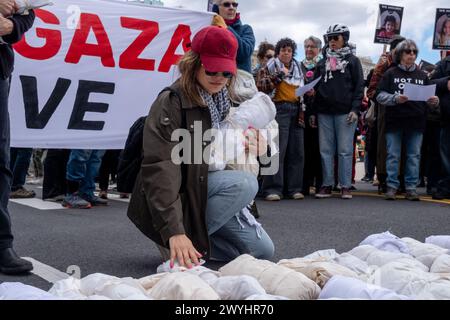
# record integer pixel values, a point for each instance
(185, 208)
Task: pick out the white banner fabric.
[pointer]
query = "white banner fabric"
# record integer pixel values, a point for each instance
(89, 68)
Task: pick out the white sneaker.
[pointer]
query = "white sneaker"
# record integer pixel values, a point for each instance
(273, 197)
(298, 196)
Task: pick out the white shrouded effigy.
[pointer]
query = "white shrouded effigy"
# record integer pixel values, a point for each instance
(382, 267)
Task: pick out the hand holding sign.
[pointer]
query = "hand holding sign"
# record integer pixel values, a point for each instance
(419, 93)
(402, 99)
(433, 101)
(309, 88)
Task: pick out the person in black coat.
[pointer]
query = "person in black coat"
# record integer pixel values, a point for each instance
(405, 119)
(337, 103)
(441, 76)
(12, 29)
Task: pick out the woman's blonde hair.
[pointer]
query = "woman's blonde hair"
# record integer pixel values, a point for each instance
(189, 66)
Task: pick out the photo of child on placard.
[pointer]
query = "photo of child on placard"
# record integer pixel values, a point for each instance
(442, 30)
(389, 23)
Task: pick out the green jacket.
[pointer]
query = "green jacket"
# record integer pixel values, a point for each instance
(170, 199)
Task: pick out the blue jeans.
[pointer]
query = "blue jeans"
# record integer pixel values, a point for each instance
(444, 183)
(412, 139)
(228, 193)
(336, 134)
(289, 178)
(6, 237)
(20, 162)
(83, 167)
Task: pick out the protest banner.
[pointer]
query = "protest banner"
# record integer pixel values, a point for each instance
(442, 30)
(88, 69)
(389, 23)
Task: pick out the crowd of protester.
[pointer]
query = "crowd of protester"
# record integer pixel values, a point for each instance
(407, 143)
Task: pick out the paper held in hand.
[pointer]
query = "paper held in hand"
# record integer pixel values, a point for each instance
(419, 93)
(302, 90)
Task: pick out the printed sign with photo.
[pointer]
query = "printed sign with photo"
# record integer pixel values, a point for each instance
(389, 23)
(210, 5)
(442, 30)
(426, 66)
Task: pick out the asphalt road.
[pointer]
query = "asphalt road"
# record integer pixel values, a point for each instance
(104, 240)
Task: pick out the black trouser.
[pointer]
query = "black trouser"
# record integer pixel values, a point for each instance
(444, 183)
(312, 173)
(371, 149)
(289, 178)
(6, 237)
(20, 159)
(55, 165)
(432, 157)
(108, 168)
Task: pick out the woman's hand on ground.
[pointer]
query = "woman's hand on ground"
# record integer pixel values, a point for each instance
(182, 249)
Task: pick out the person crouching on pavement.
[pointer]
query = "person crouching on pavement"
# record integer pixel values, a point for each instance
(186, 210)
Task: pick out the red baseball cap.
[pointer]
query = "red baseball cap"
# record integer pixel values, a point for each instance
(217, 48)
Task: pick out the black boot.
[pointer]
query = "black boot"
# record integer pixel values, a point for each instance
(441, 195)
(11, 263)
(254, 210)
(382, 186)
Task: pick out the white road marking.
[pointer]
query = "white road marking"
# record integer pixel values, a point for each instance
(116, 197)
(39, 204)
(47, 272)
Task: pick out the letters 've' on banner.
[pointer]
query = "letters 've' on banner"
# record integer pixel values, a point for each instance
(88, 69)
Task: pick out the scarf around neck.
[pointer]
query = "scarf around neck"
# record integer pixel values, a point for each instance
(405, 68)
(219, 105)
(311, 64)
(295, 75)
(233, 21)
(336, 61)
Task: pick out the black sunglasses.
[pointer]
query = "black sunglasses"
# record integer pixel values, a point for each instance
(229, 4)
(225, 74)
(335, 38)
(409, 51)
(269, 56)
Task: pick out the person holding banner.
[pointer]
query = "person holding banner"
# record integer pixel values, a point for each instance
(338, 100)
(227, 9)
(11, 31)
(405, 120)
(178, 203)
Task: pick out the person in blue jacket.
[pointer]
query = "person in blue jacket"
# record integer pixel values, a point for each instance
(227, 9)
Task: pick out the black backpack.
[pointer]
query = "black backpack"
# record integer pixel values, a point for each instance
(130, 158)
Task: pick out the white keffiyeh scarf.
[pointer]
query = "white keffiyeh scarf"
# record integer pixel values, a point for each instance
(295, 75)
(336, 61)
